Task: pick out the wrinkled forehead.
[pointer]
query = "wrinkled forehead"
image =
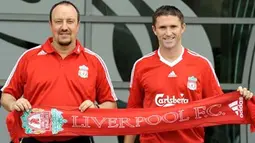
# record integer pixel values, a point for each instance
(64, 11)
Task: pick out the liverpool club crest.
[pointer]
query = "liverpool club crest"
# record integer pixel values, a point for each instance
(83, 71)
(39, 121)
(192, 83)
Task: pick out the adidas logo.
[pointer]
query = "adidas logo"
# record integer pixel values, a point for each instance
(41, 53)
(237, 107)
(172, 74)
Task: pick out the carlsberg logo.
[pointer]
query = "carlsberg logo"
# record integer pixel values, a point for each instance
(167, 101)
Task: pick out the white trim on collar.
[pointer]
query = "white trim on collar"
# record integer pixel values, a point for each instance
(171, 64)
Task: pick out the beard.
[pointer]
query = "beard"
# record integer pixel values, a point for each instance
(64, 42)
(64, 38)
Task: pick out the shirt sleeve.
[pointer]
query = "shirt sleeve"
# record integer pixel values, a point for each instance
(16, 80)
(136, 93)
(104, 88)
(210, 83)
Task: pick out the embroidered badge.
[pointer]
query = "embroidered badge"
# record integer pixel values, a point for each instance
(39, 121)
(192, 83)
(83, 71)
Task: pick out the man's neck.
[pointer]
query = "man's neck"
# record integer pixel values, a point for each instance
(171, 54)
(63, 51)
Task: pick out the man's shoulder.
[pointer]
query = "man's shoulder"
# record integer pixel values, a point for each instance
(196, 58)
(93, 56)
(33, 51)
(146, 59)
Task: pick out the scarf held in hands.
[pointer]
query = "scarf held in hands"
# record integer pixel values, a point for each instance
(228, 108)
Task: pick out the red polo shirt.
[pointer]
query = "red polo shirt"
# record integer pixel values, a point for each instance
(44, 78)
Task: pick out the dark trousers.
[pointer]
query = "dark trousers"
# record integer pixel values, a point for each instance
(82, 139)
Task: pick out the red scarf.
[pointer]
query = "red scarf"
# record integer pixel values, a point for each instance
(229, 108)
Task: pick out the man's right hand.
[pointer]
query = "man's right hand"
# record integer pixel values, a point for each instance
(21, 104)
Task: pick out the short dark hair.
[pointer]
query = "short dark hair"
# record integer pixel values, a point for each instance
(167, 10)
(66, 3)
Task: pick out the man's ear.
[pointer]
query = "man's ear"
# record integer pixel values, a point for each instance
(154, 29)
(183, 27)
(50, 23)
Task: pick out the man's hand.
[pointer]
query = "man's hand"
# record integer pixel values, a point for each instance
(245, 92)
(87, 104)
(21, 104)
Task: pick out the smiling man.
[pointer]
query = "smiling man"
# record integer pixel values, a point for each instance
(172, 75)
(60, 72)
